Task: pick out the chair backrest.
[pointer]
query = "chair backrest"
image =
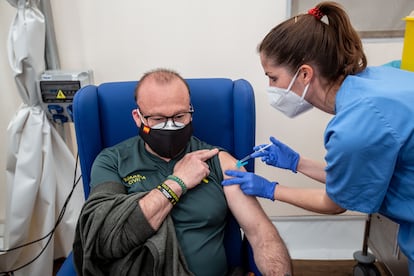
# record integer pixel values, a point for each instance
(224, 116)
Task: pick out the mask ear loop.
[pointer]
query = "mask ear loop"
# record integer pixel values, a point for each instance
(305, 91)
(293, 80)
(140, 116)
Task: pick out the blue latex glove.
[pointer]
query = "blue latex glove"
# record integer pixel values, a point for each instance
(278, 155)
(251, 184)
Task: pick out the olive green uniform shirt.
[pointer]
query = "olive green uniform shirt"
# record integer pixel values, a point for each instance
(199, 216)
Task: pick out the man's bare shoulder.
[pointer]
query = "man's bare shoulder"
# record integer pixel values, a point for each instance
(228, 162)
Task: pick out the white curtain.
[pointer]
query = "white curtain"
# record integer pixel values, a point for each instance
(40, 167)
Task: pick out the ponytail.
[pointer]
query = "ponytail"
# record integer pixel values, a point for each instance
(323, 37)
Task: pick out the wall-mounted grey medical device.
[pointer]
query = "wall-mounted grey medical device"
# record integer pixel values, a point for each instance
(57, 89)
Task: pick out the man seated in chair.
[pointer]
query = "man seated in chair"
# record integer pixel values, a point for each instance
(157, 206)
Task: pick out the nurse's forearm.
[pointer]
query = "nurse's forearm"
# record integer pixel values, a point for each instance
(312, 169)
(315, 200)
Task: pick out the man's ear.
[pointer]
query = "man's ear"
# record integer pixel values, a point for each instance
(136, 118)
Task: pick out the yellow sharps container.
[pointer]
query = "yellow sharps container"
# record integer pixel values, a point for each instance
(407, 61)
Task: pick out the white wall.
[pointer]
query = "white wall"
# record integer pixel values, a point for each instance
(120, 40)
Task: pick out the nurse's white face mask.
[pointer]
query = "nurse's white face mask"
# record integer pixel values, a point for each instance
(288, 102)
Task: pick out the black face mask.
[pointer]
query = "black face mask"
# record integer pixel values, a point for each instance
(166, 142)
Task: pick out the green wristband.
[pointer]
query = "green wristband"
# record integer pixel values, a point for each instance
(179, 181)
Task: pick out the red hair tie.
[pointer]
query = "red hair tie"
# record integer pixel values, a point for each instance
(316, 12)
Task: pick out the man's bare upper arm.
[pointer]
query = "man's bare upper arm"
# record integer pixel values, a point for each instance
(246, 209)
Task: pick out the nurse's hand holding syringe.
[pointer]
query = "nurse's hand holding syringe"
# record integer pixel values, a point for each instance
(277, 154)
(244, 160)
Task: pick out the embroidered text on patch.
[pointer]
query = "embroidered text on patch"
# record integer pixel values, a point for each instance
(132, 179)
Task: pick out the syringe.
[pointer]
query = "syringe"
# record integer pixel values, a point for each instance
(243, 161)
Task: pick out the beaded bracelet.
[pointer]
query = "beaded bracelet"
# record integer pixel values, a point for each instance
(179, 181)
(168, 193)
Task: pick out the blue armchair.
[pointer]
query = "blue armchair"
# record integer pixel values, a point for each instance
(224, 116)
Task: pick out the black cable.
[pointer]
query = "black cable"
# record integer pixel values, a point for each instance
(50, 234)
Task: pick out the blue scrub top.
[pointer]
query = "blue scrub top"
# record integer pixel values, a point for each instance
(370, 148)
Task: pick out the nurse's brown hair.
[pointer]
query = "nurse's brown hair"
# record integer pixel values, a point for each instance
(323, 37)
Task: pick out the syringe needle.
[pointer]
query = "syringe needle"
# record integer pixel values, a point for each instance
(242, 161)
(245, 158)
